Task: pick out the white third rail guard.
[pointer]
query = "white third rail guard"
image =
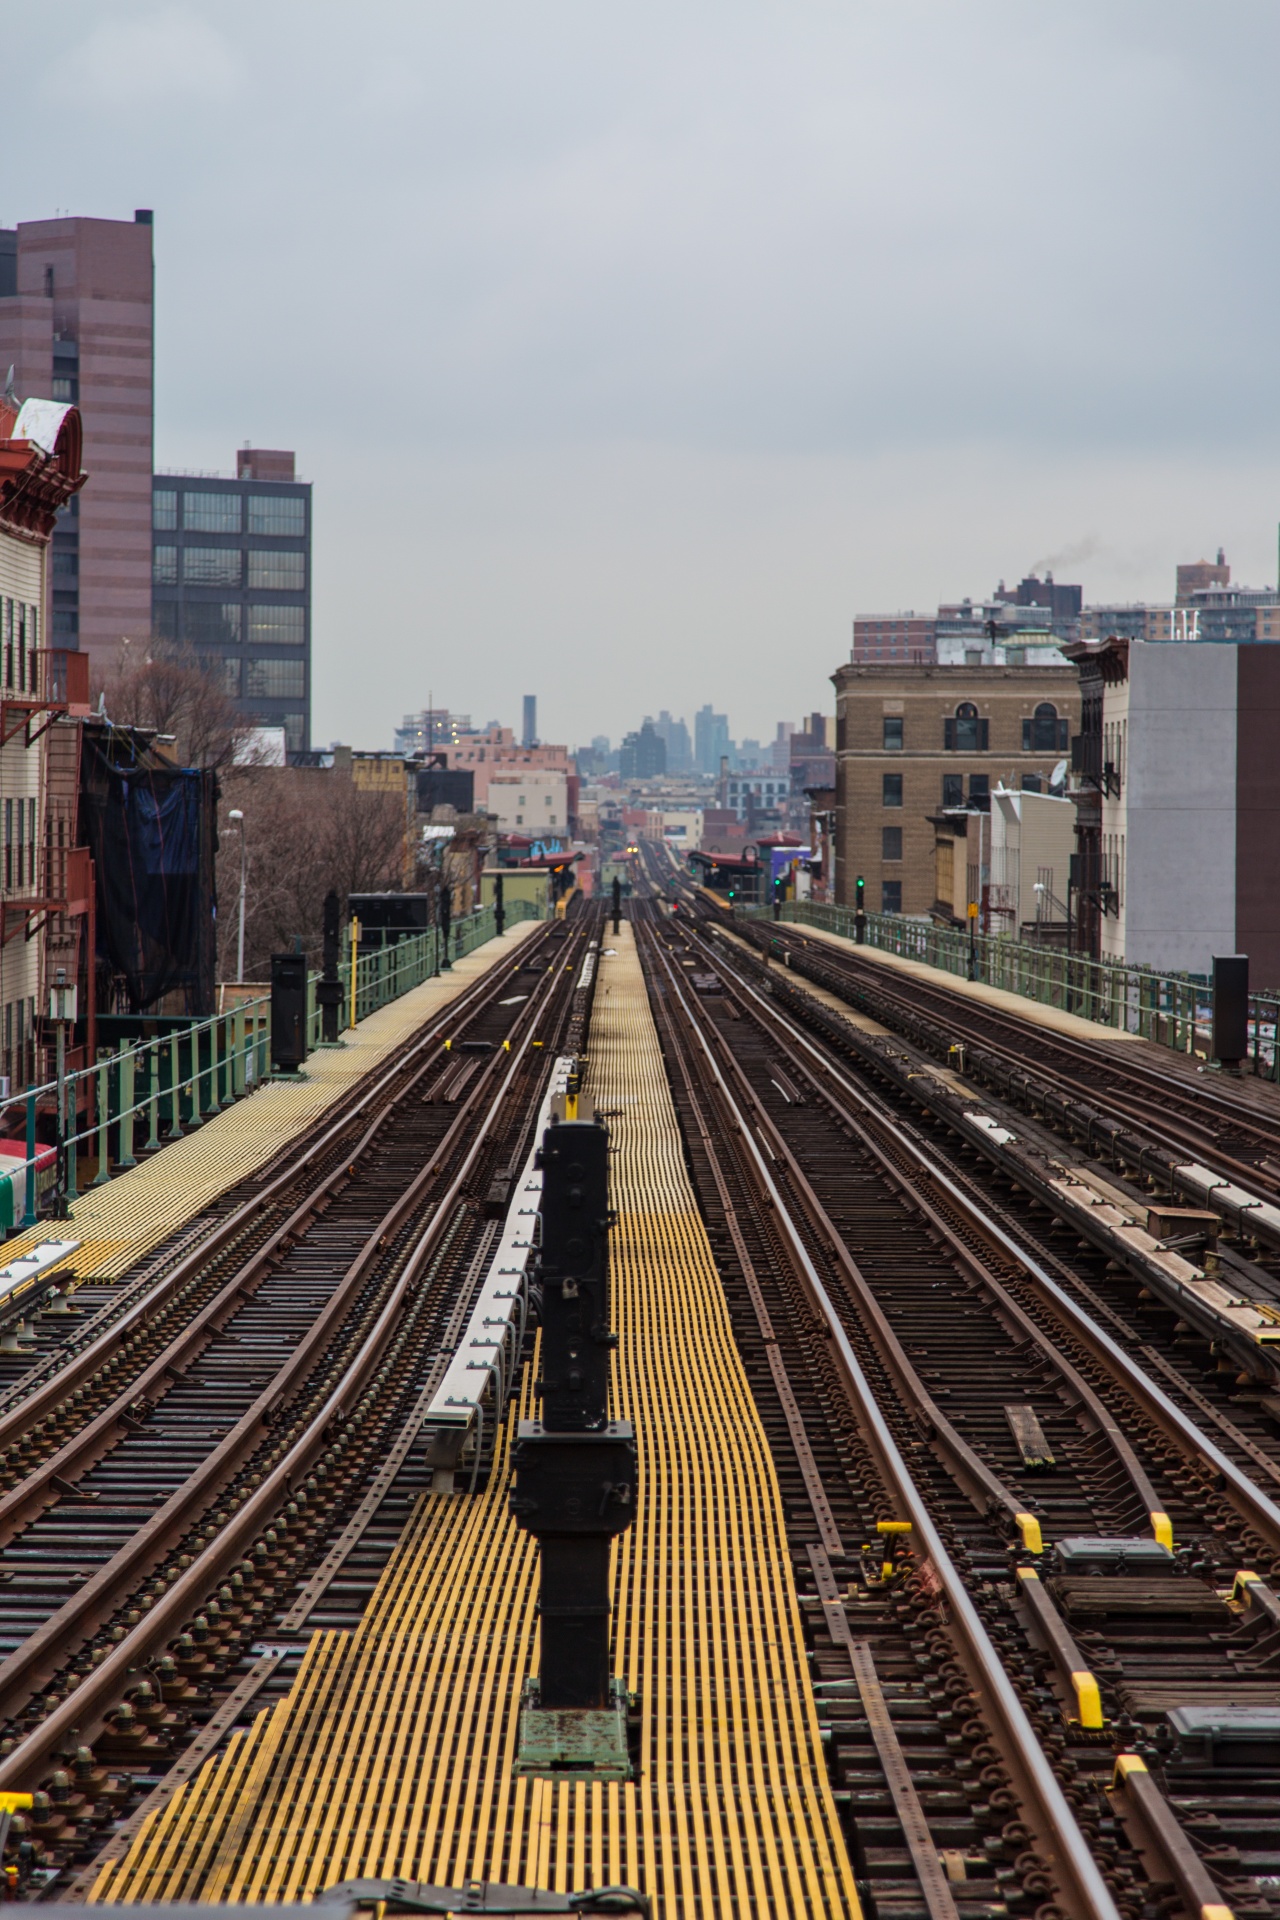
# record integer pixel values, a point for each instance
(491, 1344)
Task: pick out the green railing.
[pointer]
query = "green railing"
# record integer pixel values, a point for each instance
(144, 1093)
(384, 973)
(1175, 1010)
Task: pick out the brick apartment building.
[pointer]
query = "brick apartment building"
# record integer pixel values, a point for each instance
(913, 739)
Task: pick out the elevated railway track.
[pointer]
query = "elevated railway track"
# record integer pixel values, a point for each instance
(182, 1462)
(1104, 1503)
(1024, 1450)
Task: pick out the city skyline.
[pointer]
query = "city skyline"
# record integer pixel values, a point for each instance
(629, 438)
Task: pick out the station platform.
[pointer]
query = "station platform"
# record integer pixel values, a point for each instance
(1250, 1089)
(1035, 1012)
(393, 1753)
(119, 1223)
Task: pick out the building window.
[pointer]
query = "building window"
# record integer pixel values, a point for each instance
(967, 732)
(979, 786)
(206, 624)
(282, 514)
(275, 679)
(66, 563)
(1044, 732)
(224, 670)
(891, 790)
(891, 843)
(62, 389)
(953, 789)
(294, 731)
(211, 512)
(277, 572)
(164, 619)
(164, 566)
(277, 626)
(164, 510)
(893, 733)
(891, 896)
(211, 566)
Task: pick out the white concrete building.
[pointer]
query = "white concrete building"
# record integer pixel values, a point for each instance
(1032, 839)
(1182, 777)
(532, 800)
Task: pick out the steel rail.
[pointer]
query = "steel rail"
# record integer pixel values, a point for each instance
(771, 1019)
(1261, 1511)
(296, 1155)
(21, 1503)
(1216, 1105)
(1045, 1806)
(45, 1651)
(896, 1007)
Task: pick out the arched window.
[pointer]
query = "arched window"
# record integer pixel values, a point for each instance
(968, 728)
(1044, 732)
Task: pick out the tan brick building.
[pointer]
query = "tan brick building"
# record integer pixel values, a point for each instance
(913, 739)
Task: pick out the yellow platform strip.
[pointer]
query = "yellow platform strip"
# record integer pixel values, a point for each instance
(118, 1223)
(392, 1755)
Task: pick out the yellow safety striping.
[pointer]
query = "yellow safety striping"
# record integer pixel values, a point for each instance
(120, 1222)
(393, 1753)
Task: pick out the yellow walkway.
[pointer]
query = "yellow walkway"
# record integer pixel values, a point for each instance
(393, 1753)
(118, 1223)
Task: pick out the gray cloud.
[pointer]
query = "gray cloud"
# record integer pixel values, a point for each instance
(631, 349)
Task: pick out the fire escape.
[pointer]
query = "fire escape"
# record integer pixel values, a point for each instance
(44, 875)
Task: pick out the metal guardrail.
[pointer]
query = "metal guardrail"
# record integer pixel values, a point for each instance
(1174, 1010)
(181, 1079)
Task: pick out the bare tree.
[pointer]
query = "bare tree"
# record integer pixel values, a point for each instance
(167, 689)
(306, 830)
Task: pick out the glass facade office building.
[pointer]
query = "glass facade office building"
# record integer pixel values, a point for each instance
(231, 579)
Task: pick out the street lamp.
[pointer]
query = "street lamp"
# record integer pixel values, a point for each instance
(62, 1012)
(238, 817)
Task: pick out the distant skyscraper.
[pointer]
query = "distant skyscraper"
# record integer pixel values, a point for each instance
(711, 739)
(675, 735)
(529, 731)
(644, 754)
(76, 321)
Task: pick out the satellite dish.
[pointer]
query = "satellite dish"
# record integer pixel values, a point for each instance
(1058, 778)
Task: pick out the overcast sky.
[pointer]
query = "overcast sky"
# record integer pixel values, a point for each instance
(633, 347)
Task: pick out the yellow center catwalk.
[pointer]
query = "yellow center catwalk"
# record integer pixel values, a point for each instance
(393, 1754)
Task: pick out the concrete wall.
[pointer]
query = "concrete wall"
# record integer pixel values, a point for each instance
(1179, 806)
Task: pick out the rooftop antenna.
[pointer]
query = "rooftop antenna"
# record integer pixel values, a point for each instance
(10, 397)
